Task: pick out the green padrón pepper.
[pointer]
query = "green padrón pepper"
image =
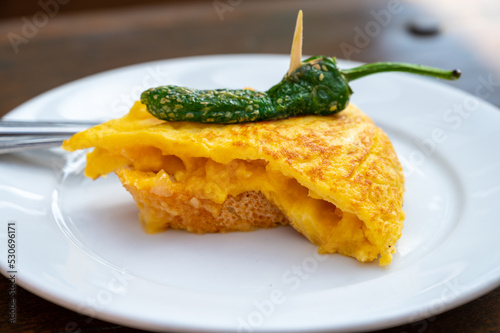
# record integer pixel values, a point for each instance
(317, 87)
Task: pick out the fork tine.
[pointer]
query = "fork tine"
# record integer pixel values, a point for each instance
(19, 135)
(43, 128)
(20, 143)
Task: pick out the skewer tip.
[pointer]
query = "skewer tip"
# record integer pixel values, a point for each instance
(296, 52)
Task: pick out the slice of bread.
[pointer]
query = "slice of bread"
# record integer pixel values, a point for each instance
(161, 207)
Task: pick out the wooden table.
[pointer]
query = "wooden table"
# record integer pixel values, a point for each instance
(67, 46)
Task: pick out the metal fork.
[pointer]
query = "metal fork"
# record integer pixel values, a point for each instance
(24, 135)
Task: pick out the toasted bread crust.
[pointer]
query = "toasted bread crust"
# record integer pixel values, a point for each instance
(160, 208)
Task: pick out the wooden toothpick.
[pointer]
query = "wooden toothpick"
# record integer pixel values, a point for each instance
(296, 52)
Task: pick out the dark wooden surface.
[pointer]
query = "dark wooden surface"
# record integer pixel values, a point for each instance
(73, 44)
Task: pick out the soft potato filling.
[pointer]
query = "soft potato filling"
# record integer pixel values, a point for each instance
(204, 179)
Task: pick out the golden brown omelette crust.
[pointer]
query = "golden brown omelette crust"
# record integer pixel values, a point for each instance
(343, 159)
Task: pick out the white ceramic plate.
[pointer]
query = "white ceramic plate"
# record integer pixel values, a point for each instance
(80, 244)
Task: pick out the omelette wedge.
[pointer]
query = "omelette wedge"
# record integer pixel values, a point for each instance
(335, 179)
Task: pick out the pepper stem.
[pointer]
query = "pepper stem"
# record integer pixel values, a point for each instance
(378, 67)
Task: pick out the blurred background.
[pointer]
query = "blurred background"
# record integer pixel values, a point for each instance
(47, 43)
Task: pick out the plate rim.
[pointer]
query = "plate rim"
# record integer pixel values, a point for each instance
(474, 292)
